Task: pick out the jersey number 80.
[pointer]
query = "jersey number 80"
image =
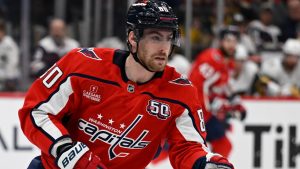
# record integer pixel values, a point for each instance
(54, 74)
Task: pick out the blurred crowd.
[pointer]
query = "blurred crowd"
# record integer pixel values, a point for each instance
(263, 62)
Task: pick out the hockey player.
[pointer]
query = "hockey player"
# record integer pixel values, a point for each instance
(281, 76)
(105, 108)
(210, 74)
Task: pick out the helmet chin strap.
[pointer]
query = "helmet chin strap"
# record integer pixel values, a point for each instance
(137, 59)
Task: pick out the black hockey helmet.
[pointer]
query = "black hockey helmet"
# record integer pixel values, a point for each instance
(152, 14)
(230, 30)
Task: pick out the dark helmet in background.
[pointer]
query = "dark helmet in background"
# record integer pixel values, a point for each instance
(230, 30)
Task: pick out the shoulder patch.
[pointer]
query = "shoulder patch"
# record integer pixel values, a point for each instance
(181, 81)
(90, 53)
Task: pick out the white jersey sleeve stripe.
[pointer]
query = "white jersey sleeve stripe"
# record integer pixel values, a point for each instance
(55, 104)
(59, 100)
(185, 126)
(46, 124)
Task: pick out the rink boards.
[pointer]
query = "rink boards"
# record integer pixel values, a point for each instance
(268, 138)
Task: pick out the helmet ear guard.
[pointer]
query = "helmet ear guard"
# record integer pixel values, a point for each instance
(136, 38)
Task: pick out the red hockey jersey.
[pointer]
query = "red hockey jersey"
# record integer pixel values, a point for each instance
(210, 75)
(87, 97)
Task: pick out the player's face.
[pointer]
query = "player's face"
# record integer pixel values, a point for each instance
(291, 61)
(57, 29)
(155, 47)
(229, 44)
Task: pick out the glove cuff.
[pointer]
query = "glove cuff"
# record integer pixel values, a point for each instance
(71, 155)
(58, 144)
(63, 148)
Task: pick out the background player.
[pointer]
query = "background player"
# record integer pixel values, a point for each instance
(117, 106)
(210, 73)
(280, 76)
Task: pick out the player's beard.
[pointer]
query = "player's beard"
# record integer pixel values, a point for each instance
(289, 66)
(228, 52)
(155, 62)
